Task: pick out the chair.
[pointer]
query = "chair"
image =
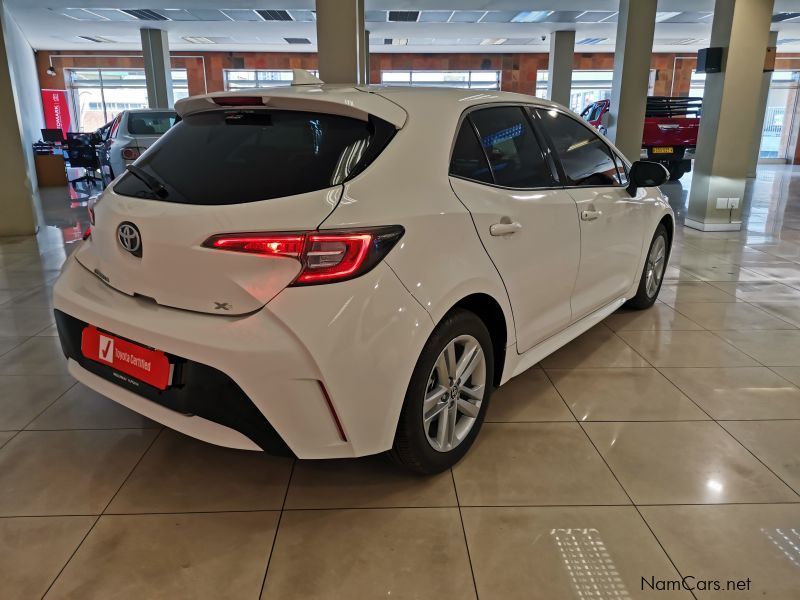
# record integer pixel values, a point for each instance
(82, 153)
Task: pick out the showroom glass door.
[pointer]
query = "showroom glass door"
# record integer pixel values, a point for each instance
(96, 96)
(779, 118)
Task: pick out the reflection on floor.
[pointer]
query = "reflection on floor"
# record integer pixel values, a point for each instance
(660, 444)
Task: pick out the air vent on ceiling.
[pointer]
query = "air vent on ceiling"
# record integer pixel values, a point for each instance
(591, 41)
(784, 16)
(197, 39)
(297, 40)
(96, 39)
(403, 16)
(144, 14)
(395, 41)
(275, 15)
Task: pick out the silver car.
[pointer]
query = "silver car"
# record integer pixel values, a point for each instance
(130, 133)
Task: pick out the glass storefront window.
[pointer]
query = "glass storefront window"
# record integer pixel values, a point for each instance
(242, 79)
(587, 86)
(481, 80)
(98, 95)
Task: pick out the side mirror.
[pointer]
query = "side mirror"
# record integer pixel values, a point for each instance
(645, 173)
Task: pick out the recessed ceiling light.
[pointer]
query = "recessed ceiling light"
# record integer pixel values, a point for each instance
(196, 39)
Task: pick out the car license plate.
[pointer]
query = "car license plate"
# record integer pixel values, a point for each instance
(663, 150)
(143, 364)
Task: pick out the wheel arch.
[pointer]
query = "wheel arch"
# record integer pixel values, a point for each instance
(488, 310)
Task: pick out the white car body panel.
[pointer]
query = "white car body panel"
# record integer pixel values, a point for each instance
(360, 338)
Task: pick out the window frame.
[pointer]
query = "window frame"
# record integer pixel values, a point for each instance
(544, 147)
(536, 118)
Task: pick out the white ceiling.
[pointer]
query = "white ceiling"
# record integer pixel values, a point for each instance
(444, 25)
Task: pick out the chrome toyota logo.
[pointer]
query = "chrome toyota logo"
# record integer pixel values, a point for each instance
(130, 238)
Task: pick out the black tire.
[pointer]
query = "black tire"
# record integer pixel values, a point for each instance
(643, 299)
(411, 449)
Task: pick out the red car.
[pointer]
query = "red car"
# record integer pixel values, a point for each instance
(670, 130)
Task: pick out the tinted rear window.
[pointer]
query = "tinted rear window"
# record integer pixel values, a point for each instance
(236, 156)
(150, 123)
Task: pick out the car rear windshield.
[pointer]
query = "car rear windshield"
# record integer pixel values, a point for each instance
(150, 123)
(239, 156)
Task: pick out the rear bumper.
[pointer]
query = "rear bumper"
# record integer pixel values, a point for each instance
(253, 381)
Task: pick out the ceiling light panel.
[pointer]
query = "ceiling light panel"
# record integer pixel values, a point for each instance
(197, 39)
(531, 16)
(785, 16)
(297, 40)
(375, 16)
(467, 16)
(499, 16)
(688, 17)
(593, 16)
(144, 14)
(591, 41)
(112, 14)
(78, 14)
(275, 15)
(304, 16)
(96, 39)
(241, 14)
(563, 16)
(435, 16)
(403, 16)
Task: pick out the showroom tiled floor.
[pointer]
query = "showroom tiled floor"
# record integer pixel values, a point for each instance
(660, 443)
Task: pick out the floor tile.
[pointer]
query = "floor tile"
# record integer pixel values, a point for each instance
(684, 463)
(194, 557)
(771, 348)
(733, 543)
(598, 347)
(719, 271)
(24, 322)
(82, 408)
(534, 464)
(23, 397)
(527, 397)
(730, 315)
(67, 472)
(775, 443)
(685, 349)
(623, 395)
(788, 311)
(5, 436)
(760, 291)
(790, 373)
(560, 552)
(690, 291)
(181, 474)
(376, 553)
(35, 356)
(739, 393)
(24, 280)
(365, 483)
(656, 318)
(34, 549)
(38, 297)
(9, 343)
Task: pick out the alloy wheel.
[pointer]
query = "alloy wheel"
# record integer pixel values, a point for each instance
(656, 263)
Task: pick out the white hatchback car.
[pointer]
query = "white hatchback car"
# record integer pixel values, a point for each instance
(333, 271)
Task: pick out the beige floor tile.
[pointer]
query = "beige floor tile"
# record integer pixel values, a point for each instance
(24, 280)
(623, 395)
(35, 356)
(775, 443)
(733, 543)
(194, 557)
(528, 397)
(38, 297)
(790, 373)
(34, 549)
(598, 347)
(771, 348)
(730, 315)
(534, 464)
(719, 271)
(739, 393)
(691, 291)
(560, 552)
(51, 331)
(369, 482)
(788, 311)
(684, 463)
(67, 472)
(656, 318)
(9, 343)
(5, 436)
(673, 274)
(181, 474)
(82, 408)
(23, 322)
(685, 349)
(760, 291)
(23, 397)
(374, 553)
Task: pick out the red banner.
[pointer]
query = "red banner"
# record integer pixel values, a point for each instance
(56, 110)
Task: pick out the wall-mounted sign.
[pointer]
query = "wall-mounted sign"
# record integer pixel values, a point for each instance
(56, 110)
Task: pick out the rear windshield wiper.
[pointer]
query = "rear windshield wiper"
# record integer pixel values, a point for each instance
(151, 182)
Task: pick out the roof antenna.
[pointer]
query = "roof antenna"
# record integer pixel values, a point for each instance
(303, 77)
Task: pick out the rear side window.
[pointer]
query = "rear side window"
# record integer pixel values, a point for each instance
(150, 123)
(239, 156)
(469, 160)
(515, 155)
(586, 159)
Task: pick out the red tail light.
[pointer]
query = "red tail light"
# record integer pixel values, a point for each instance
(131, 153)
(239, 101)
(325, 257)
(88, 233)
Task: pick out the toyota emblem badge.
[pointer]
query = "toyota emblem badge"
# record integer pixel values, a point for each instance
(130, 238)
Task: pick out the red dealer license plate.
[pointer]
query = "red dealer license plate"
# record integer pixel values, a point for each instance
(143, 364)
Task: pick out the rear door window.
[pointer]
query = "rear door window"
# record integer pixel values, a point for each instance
(469, 160)
(515, 156)
(238, 156)
(150, 123)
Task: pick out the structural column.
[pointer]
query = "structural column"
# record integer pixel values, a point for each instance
(761, 109)
(157, 71)
(16, 199)
(635, 28)
(728, 124)
(341, 42)
(559, 69)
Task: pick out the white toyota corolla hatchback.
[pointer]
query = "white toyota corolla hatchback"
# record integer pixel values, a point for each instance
(332, 271)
